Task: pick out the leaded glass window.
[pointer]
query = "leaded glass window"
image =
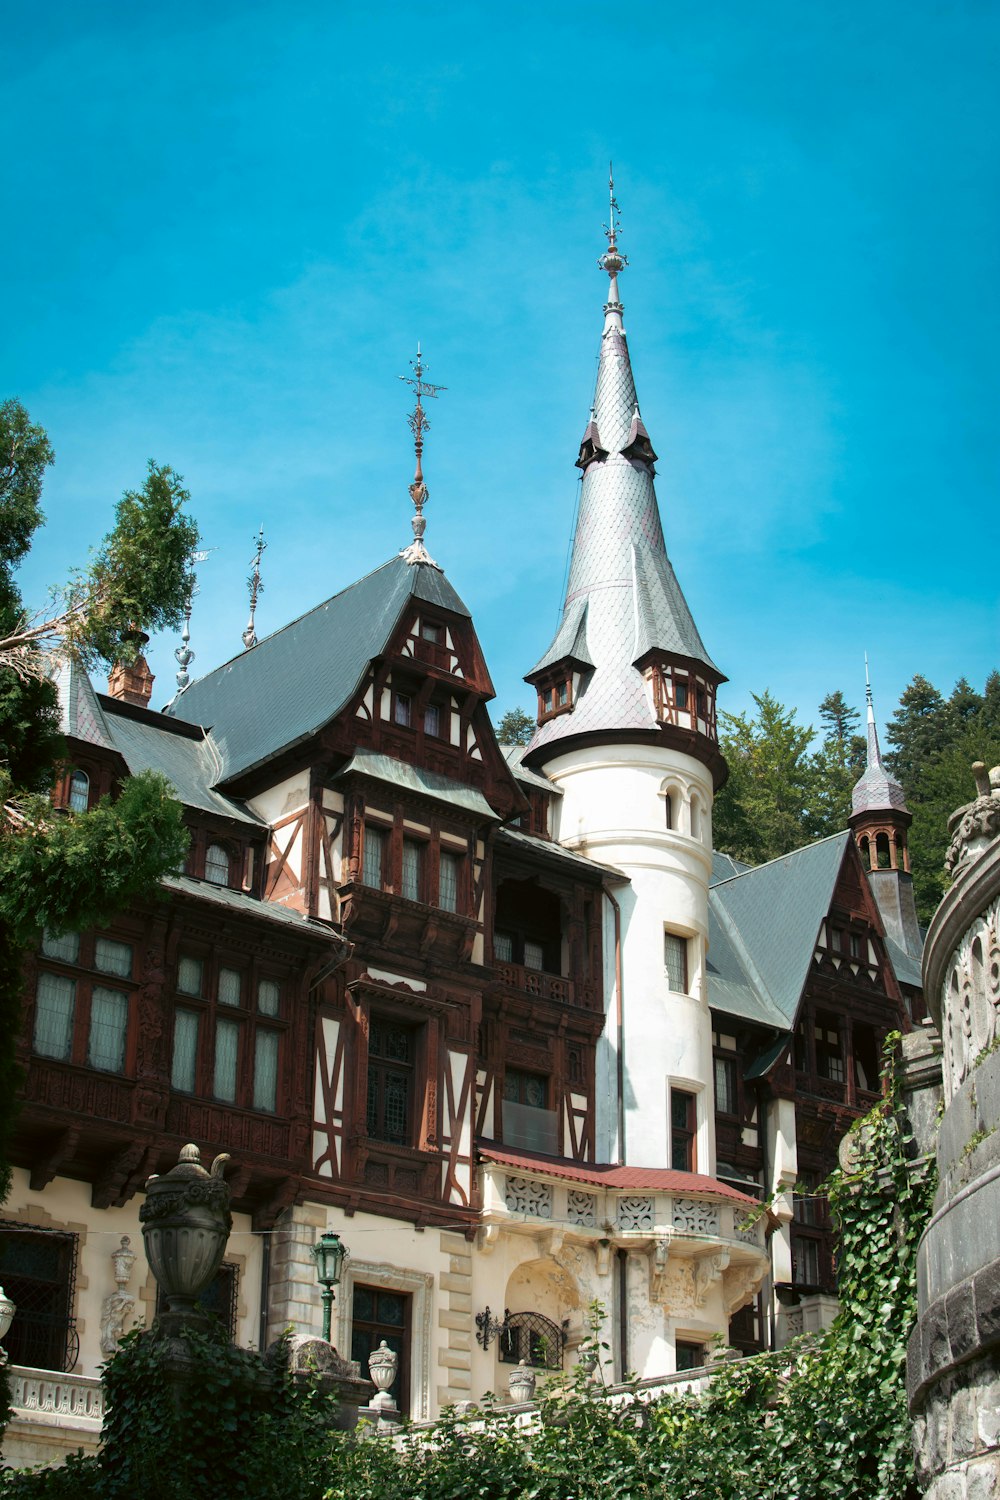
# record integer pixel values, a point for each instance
(390, 1081)
(448, 881)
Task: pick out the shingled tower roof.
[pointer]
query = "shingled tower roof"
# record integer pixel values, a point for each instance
(623, 600)
(876, 790)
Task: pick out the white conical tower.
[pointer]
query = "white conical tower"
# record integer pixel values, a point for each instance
(627, 730)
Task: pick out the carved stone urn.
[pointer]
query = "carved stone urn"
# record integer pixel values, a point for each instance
(521, 1384)
(7, 1311)
(383, 1363)
(185, 1226)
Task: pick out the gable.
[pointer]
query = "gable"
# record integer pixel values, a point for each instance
(294, 682)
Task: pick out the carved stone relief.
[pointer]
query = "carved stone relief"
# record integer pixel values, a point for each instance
(695, 1217)
(581, 1209)
(523, 1196)
(635, 1213)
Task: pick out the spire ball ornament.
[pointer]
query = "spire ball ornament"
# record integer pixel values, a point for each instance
(416, 552)
(255, 587)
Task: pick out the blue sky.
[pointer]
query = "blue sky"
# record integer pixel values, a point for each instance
(228, 225)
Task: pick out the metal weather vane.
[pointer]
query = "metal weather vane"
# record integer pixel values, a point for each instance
(256, 588)
(613, 260)
(418, 424)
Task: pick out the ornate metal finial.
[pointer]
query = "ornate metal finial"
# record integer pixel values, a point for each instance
(612, 260)
(183, 654)
(416, 552)
(868, 688)
(256, 588)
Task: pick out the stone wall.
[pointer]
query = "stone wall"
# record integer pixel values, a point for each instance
(953, 1374)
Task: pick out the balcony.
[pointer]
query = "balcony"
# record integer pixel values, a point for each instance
(703, 1243)
(536, 982)
(51, 1415)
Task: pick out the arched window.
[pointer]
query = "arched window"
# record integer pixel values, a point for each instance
(217, 865)
(695, 818)
(79, 791)
(532, 1337)
(670, 809)
(864, 848)
(882, 851)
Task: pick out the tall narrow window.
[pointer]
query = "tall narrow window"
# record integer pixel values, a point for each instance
(217, 865)
(448, 881)
(413, 864)
(265, 1071)
(79, 791)
(668, 805)
(402, 710)
(725, 1085)
(227, 1047)
(432, 720)
(108, 1026)
(390, 1073)
(55, 1000)
(534, 955)
(683, 1119)
(380, 1315)
(675, 963)
(503, 947)
(373, 868)
(183, 1072)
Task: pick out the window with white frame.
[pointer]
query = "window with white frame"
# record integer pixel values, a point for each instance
(675, 961)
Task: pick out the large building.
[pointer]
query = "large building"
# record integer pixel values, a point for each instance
(497, 1017)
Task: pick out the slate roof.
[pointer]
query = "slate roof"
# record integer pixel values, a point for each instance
(905, 967)
(514, 756)
(876, 790)
(425, 783)
(622, 598)
(248, 906)
(190, 765)
(295, 681)
(770, 918)
(547, 848)
(652, 1179)
(80, 712)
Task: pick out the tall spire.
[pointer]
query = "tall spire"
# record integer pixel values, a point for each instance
(624, 608)
(612, 261)
(876, 790)
(416, 552)
(255, 587)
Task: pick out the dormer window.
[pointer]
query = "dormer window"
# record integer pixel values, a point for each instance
(431, 632)
(555, 698)
(217, 865)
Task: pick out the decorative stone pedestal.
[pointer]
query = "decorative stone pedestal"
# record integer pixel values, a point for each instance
(314, 1361)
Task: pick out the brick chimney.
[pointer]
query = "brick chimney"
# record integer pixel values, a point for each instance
(132, 681)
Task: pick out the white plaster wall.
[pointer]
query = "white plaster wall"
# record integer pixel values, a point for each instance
(613, 810)
(283, 798)
(65, 1204)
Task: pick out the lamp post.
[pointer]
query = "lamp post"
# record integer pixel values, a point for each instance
(330, 1255)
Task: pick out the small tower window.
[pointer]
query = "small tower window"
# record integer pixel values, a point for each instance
(79, 791)
(217, 865)
(882, 851)
(670, 810)
(675, 961)
(866, 853)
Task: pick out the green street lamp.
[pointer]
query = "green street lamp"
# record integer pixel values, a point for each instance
(330, 1255)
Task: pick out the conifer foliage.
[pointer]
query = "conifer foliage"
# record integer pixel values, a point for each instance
(74, 870)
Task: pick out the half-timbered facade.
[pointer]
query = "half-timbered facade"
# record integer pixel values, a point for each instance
(489, 1014)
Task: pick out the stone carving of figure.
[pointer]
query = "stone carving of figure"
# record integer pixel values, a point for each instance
(116, 1309)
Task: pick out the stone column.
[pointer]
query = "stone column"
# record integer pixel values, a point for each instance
(953, 1364)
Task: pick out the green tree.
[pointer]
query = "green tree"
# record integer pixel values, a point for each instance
(766, 807)
(75, 870)
(934, 742)
(837, 764)
(515, 728)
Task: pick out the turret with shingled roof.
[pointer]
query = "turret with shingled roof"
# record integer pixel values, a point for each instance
(627, 659)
